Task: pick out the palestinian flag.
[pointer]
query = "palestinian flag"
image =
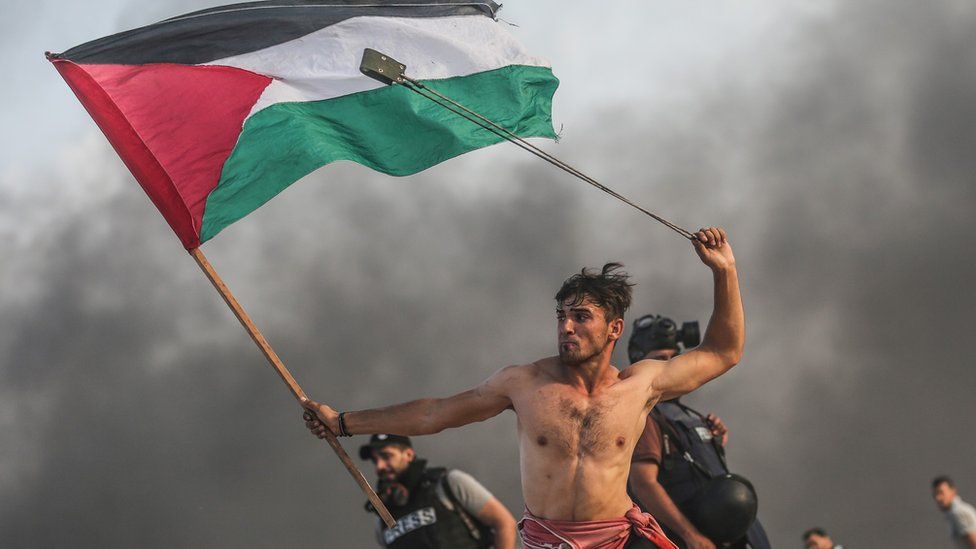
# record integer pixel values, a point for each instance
(217, 111)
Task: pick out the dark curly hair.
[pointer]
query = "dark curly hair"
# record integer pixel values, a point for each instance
(609, 289)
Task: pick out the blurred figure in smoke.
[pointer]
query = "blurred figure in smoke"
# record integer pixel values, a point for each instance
(678, 471)
(817, 538)
(961, 515)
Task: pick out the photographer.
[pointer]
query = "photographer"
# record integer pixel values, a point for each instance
(435, 508)
(678, 471)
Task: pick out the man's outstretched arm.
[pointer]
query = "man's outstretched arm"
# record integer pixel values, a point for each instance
(724, 339)
(419, 417)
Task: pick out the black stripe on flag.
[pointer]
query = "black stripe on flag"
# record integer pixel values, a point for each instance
(215, 33)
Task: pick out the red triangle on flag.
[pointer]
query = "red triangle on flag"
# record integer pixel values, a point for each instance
(173, 125)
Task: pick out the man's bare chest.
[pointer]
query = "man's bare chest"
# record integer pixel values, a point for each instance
(560, 419)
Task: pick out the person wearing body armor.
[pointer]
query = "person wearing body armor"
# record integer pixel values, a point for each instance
(678, 471)
(435, 508)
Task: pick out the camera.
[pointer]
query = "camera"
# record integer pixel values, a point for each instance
(653, 332)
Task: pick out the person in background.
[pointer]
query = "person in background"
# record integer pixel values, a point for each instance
(817, 538)
(961, 515)
(435, 508)
(680, 450)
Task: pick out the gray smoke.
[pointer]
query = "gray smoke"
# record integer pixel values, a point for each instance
(838, 152)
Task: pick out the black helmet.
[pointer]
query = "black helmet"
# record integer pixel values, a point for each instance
(653, 332)
(377, 442)
(725, 508)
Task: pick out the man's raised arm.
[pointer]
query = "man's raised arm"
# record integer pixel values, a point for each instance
(721, 348)
(418, 417)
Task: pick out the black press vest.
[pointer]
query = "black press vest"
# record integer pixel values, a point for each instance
(689, 457)
(432, 519)
(689, 454)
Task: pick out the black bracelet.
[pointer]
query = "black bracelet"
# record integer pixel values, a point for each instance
(342, 425)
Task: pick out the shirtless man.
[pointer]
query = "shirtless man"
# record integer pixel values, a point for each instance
(579, 417)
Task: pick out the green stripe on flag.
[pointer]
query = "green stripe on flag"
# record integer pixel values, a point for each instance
(391, 129)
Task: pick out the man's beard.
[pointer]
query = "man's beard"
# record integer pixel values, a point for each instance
(574, 356)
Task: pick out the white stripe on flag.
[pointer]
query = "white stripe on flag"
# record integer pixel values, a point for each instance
(325, 63)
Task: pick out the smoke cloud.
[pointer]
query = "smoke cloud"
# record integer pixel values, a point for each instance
(836, 149)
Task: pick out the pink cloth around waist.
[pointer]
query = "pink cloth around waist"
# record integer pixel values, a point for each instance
(540, 533)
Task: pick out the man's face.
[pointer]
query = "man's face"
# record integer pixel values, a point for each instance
(943, 494)
(391, 461)
(583, 331)
(816, 541)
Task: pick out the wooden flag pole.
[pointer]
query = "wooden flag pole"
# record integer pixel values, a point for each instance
(286, 376)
